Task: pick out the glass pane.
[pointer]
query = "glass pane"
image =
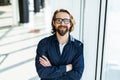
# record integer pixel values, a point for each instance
(111, 64)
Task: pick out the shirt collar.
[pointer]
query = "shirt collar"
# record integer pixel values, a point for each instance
(71, 38)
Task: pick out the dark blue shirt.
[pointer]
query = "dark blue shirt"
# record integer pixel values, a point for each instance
(72, 54)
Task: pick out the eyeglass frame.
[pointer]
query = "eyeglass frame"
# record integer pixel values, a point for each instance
(65, 20)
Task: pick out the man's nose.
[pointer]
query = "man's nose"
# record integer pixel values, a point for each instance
(62, 23)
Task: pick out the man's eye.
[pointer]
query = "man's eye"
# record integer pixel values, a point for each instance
(59, 19)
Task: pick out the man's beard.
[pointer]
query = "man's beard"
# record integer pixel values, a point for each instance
(62, 32)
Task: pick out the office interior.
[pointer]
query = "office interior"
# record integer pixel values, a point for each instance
(23, 23)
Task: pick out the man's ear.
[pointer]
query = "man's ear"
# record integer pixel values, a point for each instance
(53, 23)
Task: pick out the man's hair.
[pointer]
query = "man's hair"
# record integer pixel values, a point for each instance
(72, 20)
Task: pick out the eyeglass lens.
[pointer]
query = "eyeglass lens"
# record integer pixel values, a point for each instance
(65, 20)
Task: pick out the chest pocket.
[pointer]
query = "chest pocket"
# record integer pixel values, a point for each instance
(67, 55)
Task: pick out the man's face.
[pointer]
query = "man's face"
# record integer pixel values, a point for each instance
(62, 23)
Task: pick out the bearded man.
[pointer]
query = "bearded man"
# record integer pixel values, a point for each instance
(60, 56)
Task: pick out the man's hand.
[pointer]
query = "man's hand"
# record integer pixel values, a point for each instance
(44, 61)
(68, 67)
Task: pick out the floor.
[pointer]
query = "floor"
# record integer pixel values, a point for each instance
(18, 48)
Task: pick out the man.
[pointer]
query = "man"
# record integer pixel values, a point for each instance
(60, 56)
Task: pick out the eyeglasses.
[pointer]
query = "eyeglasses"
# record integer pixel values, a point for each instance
(65, 20)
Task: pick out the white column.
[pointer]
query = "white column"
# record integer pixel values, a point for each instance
(91, 19)
(15, 13)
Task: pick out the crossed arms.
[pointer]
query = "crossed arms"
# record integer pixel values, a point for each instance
(46, 63)
(72, 71)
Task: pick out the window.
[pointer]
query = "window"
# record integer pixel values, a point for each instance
(111, 60)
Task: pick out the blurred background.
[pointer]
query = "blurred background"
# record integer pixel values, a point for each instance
(23, 23)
